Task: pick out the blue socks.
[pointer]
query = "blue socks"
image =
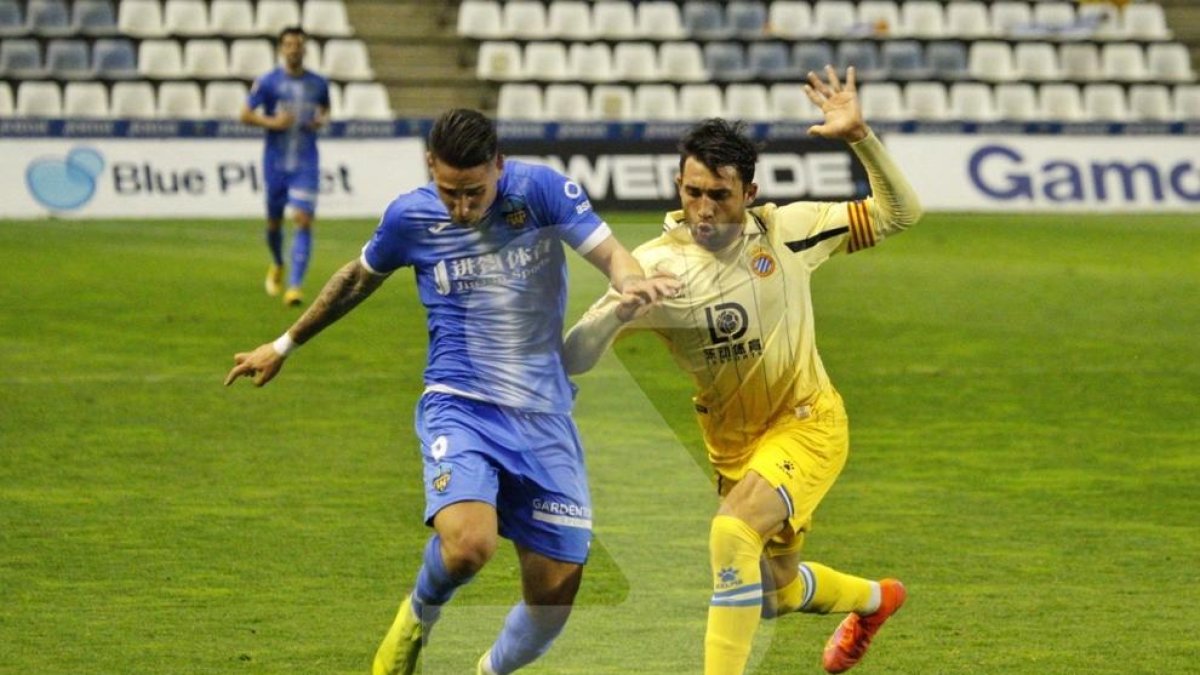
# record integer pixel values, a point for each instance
(527, 634)
(434, 586)
(301, 246)
(275, 243)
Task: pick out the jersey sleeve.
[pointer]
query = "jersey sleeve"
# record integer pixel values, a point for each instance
(260, 92)
(323, 93)
(567, 206)
(387, 250)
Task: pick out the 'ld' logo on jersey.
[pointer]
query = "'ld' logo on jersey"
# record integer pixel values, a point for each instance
(727, 322)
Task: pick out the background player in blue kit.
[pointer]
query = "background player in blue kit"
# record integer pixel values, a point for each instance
(501, 453)
(295, 105)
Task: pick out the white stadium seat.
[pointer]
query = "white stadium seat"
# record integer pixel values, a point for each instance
(1105, 102)
(590, 62)
(188, 18)
(968, 20)
(701, 101)
(250, 57)
(180, 100)
(881, 17)
(1145, 21)
(565, 102)
(926, 100)
(140, 18)
(85, 99)
(1150, 102)
(272, 16)
(326, 18)
(1036, 61)
(38, 99)
(923, 18)
(1016, 101)
(614, 20)
(132, 99)
(160, 59)
(660, 21)
(611, 102)
(971, 101)
(635, 61)
(1079, 61)
(1011, 19)
(1123, 62)
(790, 103)
(231, 17)
(748, 102)
(790, 19)
(545, 61)
(519, 102)
(1061, 102)
(6, 99)
(882, 101)
(499, 61)
(834, 18)
(346, 59)
(205, 59)
(1169, 61)
(681, 62)
(480, 20)
(224, 99)
(525, 19)
(655, 102)
(569, 20)
(992, 61)
(1187, 101)
(366, 101)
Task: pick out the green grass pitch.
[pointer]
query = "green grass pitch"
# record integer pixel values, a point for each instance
(1024, 396)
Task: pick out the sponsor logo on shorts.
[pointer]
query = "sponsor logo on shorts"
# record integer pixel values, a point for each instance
(442, 481)
(562, 513)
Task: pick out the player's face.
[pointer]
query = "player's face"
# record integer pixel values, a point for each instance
(467, 193)
(714, 204)
(291, 48)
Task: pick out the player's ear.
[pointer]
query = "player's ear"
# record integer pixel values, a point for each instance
(429, 161)
(751, 193)
(678, 182)
(499, 161)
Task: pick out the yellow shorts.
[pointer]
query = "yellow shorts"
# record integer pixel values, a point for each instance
(801, 456)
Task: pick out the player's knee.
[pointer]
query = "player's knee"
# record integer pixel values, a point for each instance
(467, 551)
(555, 592)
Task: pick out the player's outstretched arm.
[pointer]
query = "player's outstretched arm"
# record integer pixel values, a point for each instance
(839, 103)
(626, 275)
(343, 292)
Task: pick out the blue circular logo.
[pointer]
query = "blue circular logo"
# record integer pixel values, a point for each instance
(64, 184)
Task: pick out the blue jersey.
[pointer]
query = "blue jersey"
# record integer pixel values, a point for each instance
(495, 292)
(294, 148)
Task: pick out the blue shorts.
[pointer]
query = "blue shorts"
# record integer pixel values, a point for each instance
(297, 189)
(529, 466)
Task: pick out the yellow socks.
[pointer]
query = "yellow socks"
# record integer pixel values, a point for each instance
(736, 605)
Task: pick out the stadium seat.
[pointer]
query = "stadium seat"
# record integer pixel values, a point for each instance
(186, 18)
(272, 16)
(926, 101)
(336, 109)
(1100, 20)
(748, 102)
(565, 102)
(250, 57)
(882, 101)
(790, 103)
(835, 18)
(85, 99)
(480, 20)
(6, 99)
(635, 61)
(1054, 18)
(48, 17)
(1061, 103)
(132, 100)
(947, 60)
(180, 100)
(811, 57)
(1079, 61)
(1123, 62)
(224, 99)
(660, 21)
(971, 101)
(655, 102)
(205, 59)
(569, 20)
(681, 62)
(525, 19)
(312, 54)
(1187, 101)
(140, 18)
(1036, 61)
(747, 20)
(21, 58)
(902, 60)
(968, 20)
(864, 56)
(93, 17)
(231, 18)
(791, 19)
(12, 20)
(705, 20)
(1145, 21)
(771, 61)
(499, 61)
(346, 59)
(545, 61)
(614, 20)
(726, 62)
(923, 19)
(326, 18)
(160, 59)
(991, 61)
(611, 102)
(519, 102)
(68, 59)
(1013, 19)
(38, 99)
(590, 62)
(700, 101)
(880, 17)
(1169, 62)
(1105, 102)
(113, 59)
(1016, 101)
(1150, 102)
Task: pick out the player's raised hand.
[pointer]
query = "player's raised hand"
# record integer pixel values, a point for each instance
(843, 115)
(261, 365)
(639, 295)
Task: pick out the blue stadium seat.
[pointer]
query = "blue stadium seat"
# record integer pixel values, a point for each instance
(864, 56)
(947, 60)
(811, 57)
(705, 20)
(48, 17)
(903, 60)
(748, 20)
(114, 59)
(93, 17)
(12, 22)
(726, 61)
(67, 59)
(770, 61)
(20, 58)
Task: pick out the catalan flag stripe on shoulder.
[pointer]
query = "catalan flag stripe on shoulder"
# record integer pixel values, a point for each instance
(862, 234)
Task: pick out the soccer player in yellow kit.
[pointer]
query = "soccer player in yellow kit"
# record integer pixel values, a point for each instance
(742, 327)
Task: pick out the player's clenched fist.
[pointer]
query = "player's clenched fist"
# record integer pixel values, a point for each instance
(262, 365)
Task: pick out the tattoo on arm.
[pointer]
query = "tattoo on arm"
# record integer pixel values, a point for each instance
(348, 287)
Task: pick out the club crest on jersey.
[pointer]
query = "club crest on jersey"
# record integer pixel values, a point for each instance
(788, 467)
(442, 481)
(728, 577)
(762, 263)
(515, 213)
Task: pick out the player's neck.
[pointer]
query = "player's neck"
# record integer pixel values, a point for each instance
(294, 72)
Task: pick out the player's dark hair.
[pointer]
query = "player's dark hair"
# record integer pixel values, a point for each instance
(463, 138)
(716, 143)
(290, 30)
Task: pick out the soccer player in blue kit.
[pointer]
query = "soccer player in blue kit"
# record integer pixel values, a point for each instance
(501, 453)
(295, 105)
